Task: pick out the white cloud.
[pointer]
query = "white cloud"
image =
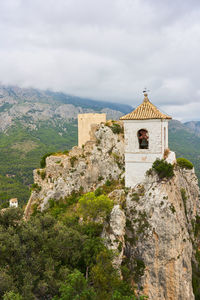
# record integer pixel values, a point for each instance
(107, 50)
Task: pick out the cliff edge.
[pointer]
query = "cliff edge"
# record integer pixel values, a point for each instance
(151, 227)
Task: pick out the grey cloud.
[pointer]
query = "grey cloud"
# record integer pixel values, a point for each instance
(107, 50)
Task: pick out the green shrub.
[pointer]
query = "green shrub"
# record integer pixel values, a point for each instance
(184, 163)
(117, 160)
(108, 182)
(172, 208)
(122, 181)
(135, 197)
(36, 187)
(4, 204)
(76, 287)
(43, 159)
(116, 128)
(66, 152)
(139, 267)
(72, 160)
(98, 192)
(163, 168)
(149, 172)
(12, 296)
(43, 175)
(184, 198)
(106, 280)
(95, 206)
(183, 195)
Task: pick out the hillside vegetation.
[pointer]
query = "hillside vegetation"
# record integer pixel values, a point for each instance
(55, 256)
(20, 153)
(185, 143)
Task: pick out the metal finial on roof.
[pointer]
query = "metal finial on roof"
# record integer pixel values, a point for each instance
(145, 92)
(146, 99)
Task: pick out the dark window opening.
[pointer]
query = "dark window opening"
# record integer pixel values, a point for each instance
(143, 139)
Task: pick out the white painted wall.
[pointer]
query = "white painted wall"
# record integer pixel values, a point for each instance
(138, 161)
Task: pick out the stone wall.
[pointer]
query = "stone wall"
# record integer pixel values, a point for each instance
(85, 121)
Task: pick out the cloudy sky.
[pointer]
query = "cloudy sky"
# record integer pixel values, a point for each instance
(105, 49)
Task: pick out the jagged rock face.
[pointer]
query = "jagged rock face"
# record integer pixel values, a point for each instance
(160, 233)
(87, 168)
(114, 231)
(150, 227)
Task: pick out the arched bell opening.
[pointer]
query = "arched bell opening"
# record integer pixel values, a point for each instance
(143, 139)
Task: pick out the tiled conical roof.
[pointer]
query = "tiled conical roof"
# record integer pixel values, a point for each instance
(144, 111)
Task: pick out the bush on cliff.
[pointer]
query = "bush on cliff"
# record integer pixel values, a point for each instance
(163, 168)
(184, 163)
(12, 296)
(43, 159)
(117, 129)
(92, 206)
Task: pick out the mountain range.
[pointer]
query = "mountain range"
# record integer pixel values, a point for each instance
(34, 122)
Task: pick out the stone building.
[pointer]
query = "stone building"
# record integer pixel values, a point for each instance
(146, 138)
(85, 121)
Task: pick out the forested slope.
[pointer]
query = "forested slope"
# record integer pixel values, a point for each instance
(20, 153)
(185, 143)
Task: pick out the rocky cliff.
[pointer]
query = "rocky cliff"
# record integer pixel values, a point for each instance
(160, 216)
(151, 227)
(101, 159)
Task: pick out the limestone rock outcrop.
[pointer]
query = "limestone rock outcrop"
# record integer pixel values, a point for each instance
(114, 231)
(85, 168)
(160, 218)
(151, 227)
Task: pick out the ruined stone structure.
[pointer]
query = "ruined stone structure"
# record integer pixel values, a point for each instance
(85, 121)
(146, 138)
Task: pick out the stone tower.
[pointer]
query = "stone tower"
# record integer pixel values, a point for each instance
(146, 138)
(85, 121)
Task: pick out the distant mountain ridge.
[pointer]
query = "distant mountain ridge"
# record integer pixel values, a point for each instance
(31, 105)
(88, 103)
(194, 126)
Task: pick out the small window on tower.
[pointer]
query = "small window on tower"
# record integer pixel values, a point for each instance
(143, 139)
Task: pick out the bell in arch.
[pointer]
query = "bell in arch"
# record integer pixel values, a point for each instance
(144, 144)
(143, 139)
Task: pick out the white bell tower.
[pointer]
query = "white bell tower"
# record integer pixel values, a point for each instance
(146, 138)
